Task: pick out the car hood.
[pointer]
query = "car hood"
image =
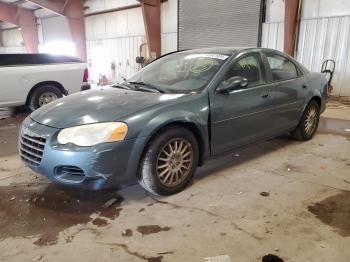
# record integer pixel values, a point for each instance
(100, 105)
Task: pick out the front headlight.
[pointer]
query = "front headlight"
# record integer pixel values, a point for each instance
(89, 135)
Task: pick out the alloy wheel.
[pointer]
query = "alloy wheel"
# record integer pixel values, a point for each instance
(174, 162)
(310, 122)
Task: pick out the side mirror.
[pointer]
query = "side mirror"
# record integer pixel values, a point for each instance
(232, 83)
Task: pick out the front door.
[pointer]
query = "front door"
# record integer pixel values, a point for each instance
(243, 115)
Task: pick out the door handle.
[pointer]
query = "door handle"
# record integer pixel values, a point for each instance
(305, 86)
(265, 95)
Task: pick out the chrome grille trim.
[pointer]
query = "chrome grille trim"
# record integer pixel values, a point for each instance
(33, 139)
(27, 159)
(28, 145)
(31, 148)
(31, 153)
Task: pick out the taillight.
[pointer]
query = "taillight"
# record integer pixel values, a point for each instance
(86, 75)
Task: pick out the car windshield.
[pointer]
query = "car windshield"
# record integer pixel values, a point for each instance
(179, 72)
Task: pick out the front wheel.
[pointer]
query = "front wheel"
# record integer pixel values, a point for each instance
(169, 162)
(308, 124)
(43, 95)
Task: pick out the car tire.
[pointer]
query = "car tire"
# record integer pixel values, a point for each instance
(43, 95)
(169, 161)
(308, 124)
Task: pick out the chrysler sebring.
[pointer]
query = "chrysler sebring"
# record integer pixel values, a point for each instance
(172, 116)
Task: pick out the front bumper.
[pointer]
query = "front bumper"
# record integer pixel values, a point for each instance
(96, 167)
(85, 86)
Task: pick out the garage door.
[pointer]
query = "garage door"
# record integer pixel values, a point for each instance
(218, 23)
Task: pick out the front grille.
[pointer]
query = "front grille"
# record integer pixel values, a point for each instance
(69, 170)
(32, 149)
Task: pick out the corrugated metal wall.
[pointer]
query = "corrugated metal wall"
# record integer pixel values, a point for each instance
(273, 35)
(327, 38)
(116, 38)
(324, 34)
(218, 23)
(319, 39)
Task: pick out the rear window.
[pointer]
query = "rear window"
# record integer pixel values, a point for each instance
(281, 67)
(35, 59)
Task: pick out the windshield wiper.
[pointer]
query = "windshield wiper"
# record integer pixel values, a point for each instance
(121, 86)
(144, 86)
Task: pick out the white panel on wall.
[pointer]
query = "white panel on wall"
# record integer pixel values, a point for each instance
(135, 22)
(325, 8)
(121, 51)
(274, 11)
(102, 5)
(12, 38)
(55, 29)
(273, 36)
(169, 26)
(116, 37)
(169, 42)
(319, 39)
(327, 38)
(13, 50)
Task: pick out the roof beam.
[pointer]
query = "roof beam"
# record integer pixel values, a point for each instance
(26, 20)
(151, 19)
(73, 10)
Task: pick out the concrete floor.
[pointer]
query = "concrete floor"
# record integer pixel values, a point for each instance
(305, 217)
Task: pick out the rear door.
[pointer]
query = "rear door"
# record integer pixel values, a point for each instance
(243, 115)
(291, 86)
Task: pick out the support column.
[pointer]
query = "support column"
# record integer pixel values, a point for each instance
(26, 21)
(73, 10)
(1, 41)
(151, 18)
(290, 25)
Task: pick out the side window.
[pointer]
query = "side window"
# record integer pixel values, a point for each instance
(281, 67)
(248, 67)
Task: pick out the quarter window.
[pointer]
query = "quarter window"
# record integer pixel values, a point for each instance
(248, 67)
(281, 67)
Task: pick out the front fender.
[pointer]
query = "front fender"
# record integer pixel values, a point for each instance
(191, 112)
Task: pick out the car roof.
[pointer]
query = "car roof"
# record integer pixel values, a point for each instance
(226, 50)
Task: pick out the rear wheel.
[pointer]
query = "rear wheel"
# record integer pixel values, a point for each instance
(169, 162)
(308, 123)
(44, 95)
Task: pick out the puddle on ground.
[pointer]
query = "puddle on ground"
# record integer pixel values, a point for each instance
(335, 212)
(151, 229)
(46, 211)
(334, 126)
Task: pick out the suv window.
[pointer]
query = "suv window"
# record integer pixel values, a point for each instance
(281, 67)
(248, 67)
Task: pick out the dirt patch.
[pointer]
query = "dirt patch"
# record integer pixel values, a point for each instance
(48, 210)
(151, 229)
(127, 233)
(335, 212)
(100, 222)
